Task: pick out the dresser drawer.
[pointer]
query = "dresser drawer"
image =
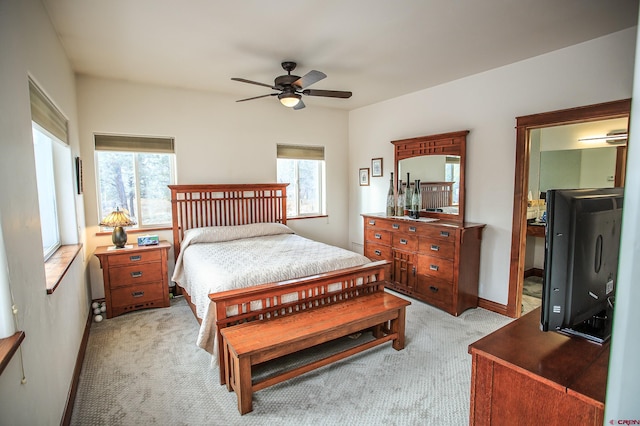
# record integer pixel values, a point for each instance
(135, 274)
(405, 242)
(436, 292)
(435, 267)
(139, 294)
(383, 224)
(135, 257)
(378, 236)
(438, 248)
(377, 252)
(439, 232)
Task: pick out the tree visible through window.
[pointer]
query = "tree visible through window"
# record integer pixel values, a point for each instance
(303, 169)
(135, 181)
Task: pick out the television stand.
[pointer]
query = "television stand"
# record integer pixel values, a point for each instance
(596, 329)
(520, 373)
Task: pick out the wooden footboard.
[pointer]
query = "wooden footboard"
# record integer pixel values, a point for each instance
(266, 301)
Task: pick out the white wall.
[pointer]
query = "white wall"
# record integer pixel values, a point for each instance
(53, 324)
(487, 105)
(217, 141)
(623, 385)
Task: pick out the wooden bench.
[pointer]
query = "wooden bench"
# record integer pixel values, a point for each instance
(265, 301)
(249, 344)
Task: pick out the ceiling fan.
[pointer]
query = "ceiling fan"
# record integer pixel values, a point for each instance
(291, 87)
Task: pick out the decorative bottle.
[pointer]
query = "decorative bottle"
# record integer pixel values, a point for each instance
(408, 194)
(416, 200)
(391, 201)
(401, 199)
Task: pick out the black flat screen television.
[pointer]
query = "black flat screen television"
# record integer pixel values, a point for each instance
(582, 242)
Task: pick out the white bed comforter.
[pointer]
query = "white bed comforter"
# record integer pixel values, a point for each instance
(229, 257)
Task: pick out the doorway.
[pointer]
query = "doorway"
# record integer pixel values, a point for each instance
(524, 128)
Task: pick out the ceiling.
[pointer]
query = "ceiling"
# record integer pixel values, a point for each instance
(375, 48)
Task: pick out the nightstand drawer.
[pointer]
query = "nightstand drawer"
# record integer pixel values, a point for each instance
(138, 294)
(134, 257)
(135, 274)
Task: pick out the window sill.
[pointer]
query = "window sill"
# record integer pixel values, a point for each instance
(8, 347)
(307, 217)
(57, 265)
(137, 230)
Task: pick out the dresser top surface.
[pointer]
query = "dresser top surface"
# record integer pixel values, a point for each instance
(424, 220)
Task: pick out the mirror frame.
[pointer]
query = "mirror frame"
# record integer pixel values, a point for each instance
(453, 143)
(607, 110)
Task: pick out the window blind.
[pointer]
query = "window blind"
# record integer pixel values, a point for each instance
(301, 152)
(46, 115)
(134, 144)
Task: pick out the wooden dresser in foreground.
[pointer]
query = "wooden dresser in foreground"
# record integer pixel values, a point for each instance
(437, 262)
(134, 278)
(521, 375)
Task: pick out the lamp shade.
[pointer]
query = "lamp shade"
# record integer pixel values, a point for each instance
(289, 99)
(116, 220)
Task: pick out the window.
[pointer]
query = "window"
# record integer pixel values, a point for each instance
(303, 168)
(452, 174)
(43, 146)
(133, 174)
(53, 172)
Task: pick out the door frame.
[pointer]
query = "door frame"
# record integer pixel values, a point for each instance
(524, 124)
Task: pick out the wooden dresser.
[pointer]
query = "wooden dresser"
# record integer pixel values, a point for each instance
(521, 375)
(134, 278)
(437, 262)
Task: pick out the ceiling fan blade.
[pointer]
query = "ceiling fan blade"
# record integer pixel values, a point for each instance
(327, 93)
(309, 78)
(256, 97)
(299, 105)
(244, 80)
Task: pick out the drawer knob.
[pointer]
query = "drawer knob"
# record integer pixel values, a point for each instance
(433, 289)
(137, 293)
(435, 247)
(372, 222)
(444, 233)
(378, 236)
(378, 253)
(412, 229)
(403, 241)
(137, 274)
(434, 267)
(135, 258)
(395, 226)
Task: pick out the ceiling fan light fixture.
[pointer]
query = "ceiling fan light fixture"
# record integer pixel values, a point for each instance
(289, 99)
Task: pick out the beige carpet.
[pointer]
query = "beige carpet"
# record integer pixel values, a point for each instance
(144, 368)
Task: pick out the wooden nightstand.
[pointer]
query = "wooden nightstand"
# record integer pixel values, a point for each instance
(134, 278)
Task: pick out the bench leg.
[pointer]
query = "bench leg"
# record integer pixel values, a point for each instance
(243, 386)
(397, 326)
(228, 369)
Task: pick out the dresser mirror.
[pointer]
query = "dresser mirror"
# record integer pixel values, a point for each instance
(438, 161)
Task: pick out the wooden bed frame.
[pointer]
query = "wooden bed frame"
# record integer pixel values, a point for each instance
(195, 206)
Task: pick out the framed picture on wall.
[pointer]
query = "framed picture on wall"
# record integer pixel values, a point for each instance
(364, 177)
(376, 167)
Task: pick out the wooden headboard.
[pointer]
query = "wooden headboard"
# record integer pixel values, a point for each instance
(197, 206)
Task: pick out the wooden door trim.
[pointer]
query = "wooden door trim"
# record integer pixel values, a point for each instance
(607, 110)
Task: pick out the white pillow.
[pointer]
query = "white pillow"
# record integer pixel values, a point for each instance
(214, 234)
